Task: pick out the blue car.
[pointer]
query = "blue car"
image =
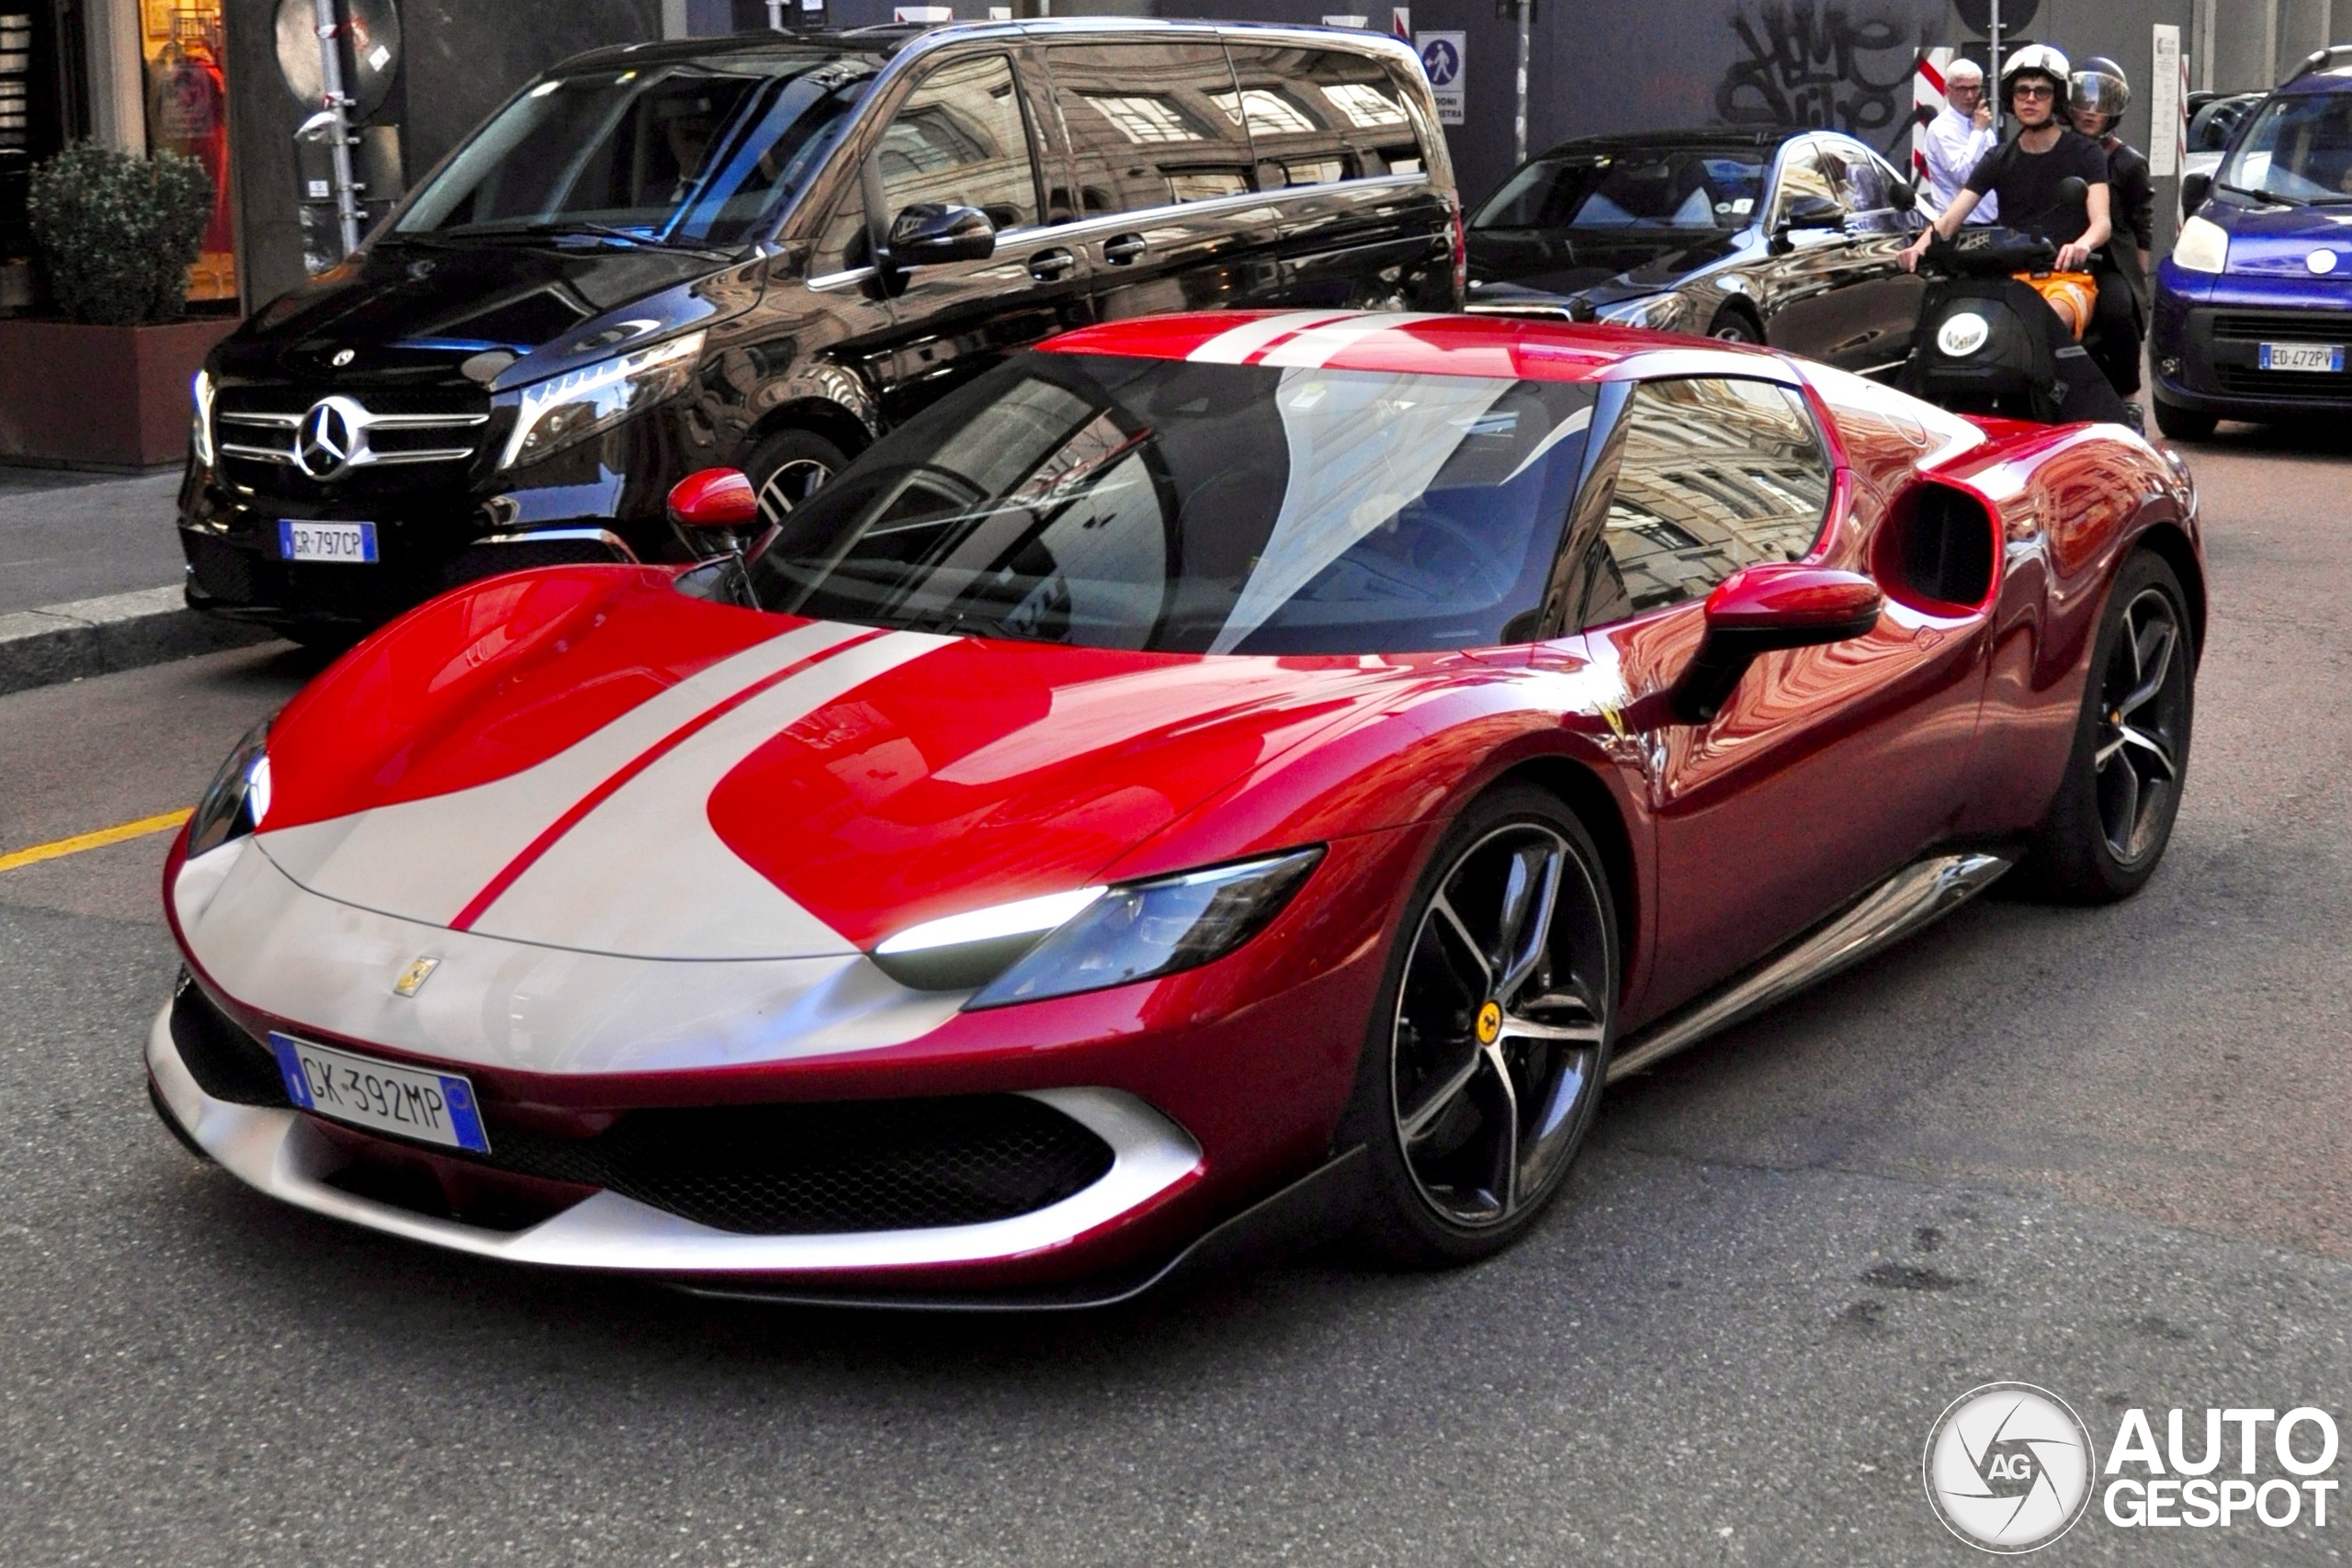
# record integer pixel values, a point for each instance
(2254, 306)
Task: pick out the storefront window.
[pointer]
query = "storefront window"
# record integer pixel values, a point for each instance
(188, 111)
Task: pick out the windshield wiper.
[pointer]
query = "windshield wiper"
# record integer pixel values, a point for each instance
(2272, 196)
(586, 228)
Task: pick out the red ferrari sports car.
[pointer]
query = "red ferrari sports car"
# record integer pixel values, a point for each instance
(1209, 778)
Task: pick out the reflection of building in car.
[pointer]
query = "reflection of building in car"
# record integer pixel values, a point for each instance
(1715, 476)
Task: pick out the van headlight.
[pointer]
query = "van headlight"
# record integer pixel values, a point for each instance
(2203, 246)
(199, 433)
(238, 798)
(1093, 938)
(562, 410)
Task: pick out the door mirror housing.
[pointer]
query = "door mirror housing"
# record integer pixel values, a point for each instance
(1759, 608)
(930, 232)
(1807, 212)
(2194, 189)
(714, 497)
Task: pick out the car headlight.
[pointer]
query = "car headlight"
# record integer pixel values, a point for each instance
(1096, 937)
(2203, 246)
(1659, 312)
(556, 413)
(238, 798)
(199, 433)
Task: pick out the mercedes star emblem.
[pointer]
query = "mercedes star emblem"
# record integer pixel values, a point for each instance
(325, 442)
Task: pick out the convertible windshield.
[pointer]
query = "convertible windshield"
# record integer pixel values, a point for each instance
(1141, 503)
(1681, 188)
(2296, 150)
(699, 153)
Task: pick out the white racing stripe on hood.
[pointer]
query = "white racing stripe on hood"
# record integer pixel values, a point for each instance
(425, 860)
(1236, 345)
(646, 875)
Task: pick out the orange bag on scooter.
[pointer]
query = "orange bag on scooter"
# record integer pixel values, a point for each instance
(2073, 295)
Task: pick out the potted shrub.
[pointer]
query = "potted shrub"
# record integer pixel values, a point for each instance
(108, 386)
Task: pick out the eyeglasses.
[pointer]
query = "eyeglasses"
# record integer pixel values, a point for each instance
(2036, 90)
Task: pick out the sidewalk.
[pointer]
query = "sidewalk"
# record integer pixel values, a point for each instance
(90, 574)
(68, 536)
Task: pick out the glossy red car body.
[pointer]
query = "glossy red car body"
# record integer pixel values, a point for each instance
(955, 773)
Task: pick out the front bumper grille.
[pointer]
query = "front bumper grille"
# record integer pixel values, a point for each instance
(798, 1168)
(2224, 354)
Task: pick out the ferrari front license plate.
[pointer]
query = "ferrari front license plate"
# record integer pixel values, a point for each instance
(350, 543)
(431, 1108)
(2321, 356)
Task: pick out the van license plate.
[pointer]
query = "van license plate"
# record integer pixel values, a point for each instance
(2321, 356)
(353, 543)
(431, 1108)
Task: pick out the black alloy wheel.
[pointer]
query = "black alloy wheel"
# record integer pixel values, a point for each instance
(787, 468)
(1485, 1062)
(2115, 811)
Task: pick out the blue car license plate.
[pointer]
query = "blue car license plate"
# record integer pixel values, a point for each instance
(431, 1108)
(350, 543)
(2323, 357)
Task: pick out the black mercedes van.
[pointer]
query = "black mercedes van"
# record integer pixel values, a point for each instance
(763, 252)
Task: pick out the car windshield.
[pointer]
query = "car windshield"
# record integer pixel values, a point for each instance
(2298, 149)
(696, 154)
(1109, 501)
(1679, 188)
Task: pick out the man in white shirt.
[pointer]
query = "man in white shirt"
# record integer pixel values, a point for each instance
(1960, 134)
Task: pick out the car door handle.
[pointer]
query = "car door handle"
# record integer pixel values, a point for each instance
(1121, 249)
(1047, 265)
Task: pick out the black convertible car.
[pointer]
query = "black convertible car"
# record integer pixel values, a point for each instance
(1783, 237)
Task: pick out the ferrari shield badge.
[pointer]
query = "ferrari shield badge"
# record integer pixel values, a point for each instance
(412, 978)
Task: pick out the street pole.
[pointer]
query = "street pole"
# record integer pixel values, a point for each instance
(1993, 70)
(775, 16)
(338, 104)
(1518, 116)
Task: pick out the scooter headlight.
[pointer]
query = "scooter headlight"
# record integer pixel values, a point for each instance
(1962, 334)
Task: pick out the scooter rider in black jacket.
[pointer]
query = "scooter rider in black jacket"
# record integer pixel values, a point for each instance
(2097, 96)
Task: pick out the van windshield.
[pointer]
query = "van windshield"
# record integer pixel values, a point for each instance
(2298, 150)
(697, 153)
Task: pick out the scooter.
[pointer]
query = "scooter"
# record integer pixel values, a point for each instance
(2001, 333)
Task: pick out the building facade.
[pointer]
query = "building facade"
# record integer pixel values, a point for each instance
(204, 76)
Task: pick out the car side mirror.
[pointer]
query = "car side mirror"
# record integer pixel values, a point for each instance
(930, 232)
(1759, 608)
(2194, 189)
(1807, 212)
(714, 497)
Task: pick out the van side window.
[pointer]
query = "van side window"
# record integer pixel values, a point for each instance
(1717, 473)
(961, 138)
(1321, 116)
(1146, 126)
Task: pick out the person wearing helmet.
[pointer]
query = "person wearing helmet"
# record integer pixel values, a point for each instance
(2097, 96)
(2027, 171)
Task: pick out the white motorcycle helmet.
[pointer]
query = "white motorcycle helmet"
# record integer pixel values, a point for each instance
(2036, 60)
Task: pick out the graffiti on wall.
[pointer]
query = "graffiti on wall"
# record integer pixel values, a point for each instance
(1818, 62)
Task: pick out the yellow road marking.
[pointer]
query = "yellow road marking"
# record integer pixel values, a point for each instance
(97, 840)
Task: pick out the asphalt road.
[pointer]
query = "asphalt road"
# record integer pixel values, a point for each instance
(2100, 1152)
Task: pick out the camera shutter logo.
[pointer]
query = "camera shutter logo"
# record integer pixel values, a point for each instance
(2008, 1467)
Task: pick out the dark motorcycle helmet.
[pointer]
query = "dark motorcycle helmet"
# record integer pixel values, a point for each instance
(2099, 86)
